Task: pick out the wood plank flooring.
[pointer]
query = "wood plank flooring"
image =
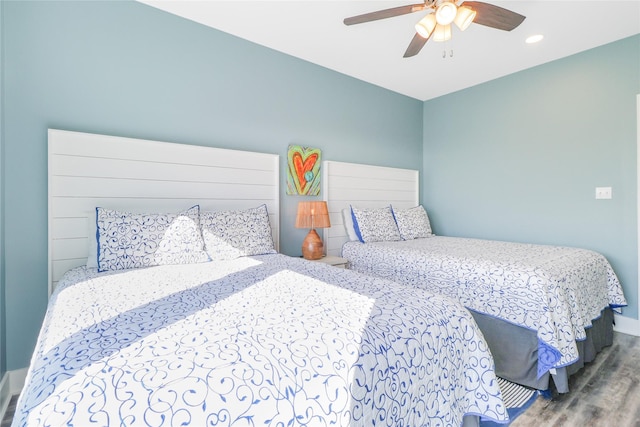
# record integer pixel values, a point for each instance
(605, 393)
(8, 416)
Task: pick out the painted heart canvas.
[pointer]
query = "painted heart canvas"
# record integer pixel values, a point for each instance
(303, 170)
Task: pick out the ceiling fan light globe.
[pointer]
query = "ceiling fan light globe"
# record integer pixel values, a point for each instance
(442, 33)
(446, 13)
(426, 25)
(464, 17)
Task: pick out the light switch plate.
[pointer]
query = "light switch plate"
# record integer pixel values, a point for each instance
(603, 193)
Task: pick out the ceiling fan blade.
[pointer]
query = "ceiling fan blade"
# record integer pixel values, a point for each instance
(494, 16)
(416, 45)
(385, 13)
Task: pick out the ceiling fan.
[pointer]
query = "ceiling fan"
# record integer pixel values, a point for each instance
(440, 15)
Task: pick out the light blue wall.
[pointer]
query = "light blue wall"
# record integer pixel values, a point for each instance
(518, 158)
(3, 365)
(123, 68)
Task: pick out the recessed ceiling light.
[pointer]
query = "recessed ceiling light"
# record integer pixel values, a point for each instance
(534, 39)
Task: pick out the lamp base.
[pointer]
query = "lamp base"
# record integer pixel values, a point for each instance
(312, 247)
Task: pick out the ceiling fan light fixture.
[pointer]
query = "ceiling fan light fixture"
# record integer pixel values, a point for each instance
(442, 33)
(446, 13)
(464, 17)
(440, 14)
(426, 25)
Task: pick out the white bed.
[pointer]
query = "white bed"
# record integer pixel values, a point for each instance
(543, 309)
(256, 339)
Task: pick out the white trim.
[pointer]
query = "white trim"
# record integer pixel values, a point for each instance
(17, 379)
(626, 325)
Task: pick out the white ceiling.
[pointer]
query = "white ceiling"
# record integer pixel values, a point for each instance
(313, 31)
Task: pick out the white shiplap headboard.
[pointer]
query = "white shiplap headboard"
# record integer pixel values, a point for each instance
(363, 186)
(89, 170)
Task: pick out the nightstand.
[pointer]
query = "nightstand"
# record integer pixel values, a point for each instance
(335, 261)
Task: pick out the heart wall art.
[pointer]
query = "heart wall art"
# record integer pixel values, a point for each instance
(303, 170)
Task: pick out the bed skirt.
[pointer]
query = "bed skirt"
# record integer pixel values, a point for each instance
(515, 350)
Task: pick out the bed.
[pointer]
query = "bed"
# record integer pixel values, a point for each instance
(209, 344)
(544, 310)
(241, 336)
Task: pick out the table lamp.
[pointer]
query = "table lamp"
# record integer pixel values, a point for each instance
(312, 215)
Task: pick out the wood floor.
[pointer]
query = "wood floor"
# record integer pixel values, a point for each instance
(8, 416)
(605, 393)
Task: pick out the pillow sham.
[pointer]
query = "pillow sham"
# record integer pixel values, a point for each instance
(348, 224)
(412, 223)
(375, 225)
(132, 240)
(233, 234)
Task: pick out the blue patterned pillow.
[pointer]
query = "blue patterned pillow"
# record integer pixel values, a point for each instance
(375, 225)
(233, 234)
(130, 240)
(413, 223)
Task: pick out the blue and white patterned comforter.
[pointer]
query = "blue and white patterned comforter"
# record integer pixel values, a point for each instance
(261, 341)
(556, 291)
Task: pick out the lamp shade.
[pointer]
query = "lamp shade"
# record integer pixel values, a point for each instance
(426, 25)
(464, 17)
(446, 12)
(312, 215)
(442, 33)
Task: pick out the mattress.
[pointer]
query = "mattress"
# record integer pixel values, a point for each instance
(264, 340)
(556, 291)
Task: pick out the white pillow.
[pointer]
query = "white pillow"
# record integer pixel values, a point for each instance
(413, 223)
(375, 225)
(233, 234)
(129, 240)
(348, 224)
(92, 237)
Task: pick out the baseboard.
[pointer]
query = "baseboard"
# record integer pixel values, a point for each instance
(626, 325)
(17, 378)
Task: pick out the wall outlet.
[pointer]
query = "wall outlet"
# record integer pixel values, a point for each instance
(603, 193)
